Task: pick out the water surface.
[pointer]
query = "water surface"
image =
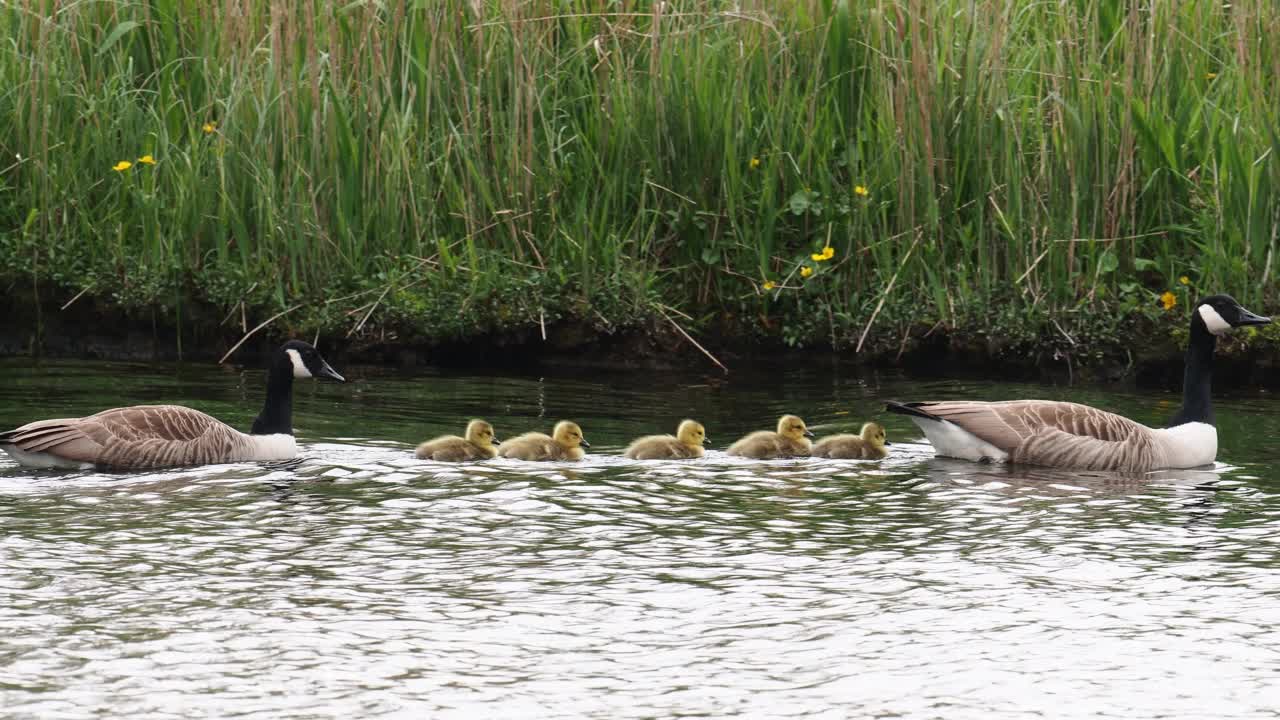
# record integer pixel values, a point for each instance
(360, 582)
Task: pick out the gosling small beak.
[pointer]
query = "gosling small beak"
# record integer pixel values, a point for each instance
(808, 432)
(328, 372)
(1248, 318)
(886, 442)
(706, 441)
(585, 443)
(495, 440)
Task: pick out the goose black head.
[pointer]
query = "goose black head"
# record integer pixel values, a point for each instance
(307, 362)
(1220, 313)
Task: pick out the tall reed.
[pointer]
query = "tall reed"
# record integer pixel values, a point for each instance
(460, 166)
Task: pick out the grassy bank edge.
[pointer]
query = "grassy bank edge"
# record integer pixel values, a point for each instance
(1106, 340)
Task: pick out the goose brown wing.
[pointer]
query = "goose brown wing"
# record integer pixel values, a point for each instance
(141, 436)
(44, 435)
(1007, 424)
(1046, 432)
(1055, 448)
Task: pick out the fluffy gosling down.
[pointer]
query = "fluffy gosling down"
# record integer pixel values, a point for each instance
(477, 445)
(867, 445)
(686, 443)
(562, 444)
(790, 440)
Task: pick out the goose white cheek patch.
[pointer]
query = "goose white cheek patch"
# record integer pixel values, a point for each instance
(1213, 321)
(299, 368)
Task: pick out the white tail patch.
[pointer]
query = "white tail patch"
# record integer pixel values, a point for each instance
(1188, 445)
(951, 440)
(299, 368)
(1213, 321)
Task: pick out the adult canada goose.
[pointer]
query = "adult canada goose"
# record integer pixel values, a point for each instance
(868, 444)
(1068, 435)
(561, 444)
(477, 445)
(790, 440)
(686, 443)
(151, 436)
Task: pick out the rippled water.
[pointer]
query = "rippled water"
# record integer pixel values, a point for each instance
(360, 582)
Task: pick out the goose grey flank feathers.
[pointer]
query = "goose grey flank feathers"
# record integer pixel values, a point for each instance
(153, 436)
(1069, 435)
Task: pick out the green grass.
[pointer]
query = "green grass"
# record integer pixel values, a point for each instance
(457, 167)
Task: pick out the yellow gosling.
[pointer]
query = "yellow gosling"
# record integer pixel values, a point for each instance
(477, 445)
(869, 444)
(686, 443)
(562, 444)
(790, 440)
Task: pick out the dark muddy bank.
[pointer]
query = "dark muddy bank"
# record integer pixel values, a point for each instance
(1150, 355)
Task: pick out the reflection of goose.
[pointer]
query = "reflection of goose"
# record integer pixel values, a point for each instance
(1017, 480)
(152, 436)
(561, 444)
(686, 443)
(868, 444)
(477, 445)
(1063, 434)
(790, 440)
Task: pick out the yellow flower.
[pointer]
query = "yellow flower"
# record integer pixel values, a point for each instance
(147, 160)
(860, 190)
(122, 166)
(827, 253)
(806, 271)
(755, 163)
(769, 285)
(1168, 300)
(1210, 76)
(209, 127)
(1184, 280)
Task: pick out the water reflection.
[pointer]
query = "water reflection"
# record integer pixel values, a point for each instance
(359, 581)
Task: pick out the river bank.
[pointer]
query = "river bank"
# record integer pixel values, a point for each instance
(945, 186)
(1142, 346)
(450, 178)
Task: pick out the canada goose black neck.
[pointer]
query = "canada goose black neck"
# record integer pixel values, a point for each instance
(1197, 377)
(294, 359)
(277, 410)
